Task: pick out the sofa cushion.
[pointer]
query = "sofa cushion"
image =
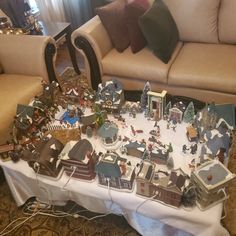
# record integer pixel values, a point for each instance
(133, 10)
(113, 19)
(138, 66)
(160, 30)
(227, 19)
(205, 66)
(15, 89)
(196, 19)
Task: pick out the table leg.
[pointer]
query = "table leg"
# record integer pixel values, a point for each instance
(72, 51)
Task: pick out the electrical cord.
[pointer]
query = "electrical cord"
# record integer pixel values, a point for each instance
(72, 173)
(109, 193)
(142, 203)
(28, 218)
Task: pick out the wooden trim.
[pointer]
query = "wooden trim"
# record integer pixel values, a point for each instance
(49, 53)
(83, 44)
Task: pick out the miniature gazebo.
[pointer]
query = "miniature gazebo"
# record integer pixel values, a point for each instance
(108, 133)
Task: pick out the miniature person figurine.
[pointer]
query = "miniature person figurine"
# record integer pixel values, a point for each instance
(184, 148)
(168, 125)
(170, 148)
(193, 149)
(158, 131)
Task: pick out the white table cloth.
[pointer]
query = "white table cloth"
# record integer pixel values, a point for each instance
(146, 216)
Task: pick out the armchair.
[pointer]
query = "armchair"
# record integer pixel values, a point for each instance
(25, 61)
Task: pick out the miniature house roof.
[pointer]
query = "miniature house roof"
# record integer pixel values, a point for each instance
(24, 111)
(109, 90)
(136, 145)
(218, 172)
(108, 130)
(226, 112)
(177, 179)
(108, 165)
(48, 149)
(176, 110)
(38, 104)
(88, 119)
(80, 150)
(216, 140)
(146, 170)
(161, 95)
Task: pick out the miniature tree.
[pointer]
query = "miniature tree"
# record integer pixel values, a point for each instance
(100, 117)
(170, 163)
(167, 108)
(189, 113)
(189, 196)
(170, 148)
(144, 96)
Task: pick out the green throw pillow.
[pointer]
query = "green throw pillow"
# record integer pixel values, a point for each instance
(160, 30)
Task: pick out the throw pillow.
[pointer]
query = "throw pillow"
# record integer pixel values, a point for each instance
(133, 10)
(160, 30)
(113, 18)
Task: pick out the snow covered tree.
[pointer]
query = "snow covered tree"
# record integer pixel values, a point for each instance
(170, 163)
(189, 113)
(167, 108)
(144, 96)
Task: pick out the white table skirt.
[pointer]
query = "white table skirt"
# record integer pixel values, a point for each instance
(149, 218)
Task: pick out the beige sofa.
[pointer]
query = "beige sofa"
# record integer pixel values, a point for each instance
(203, 65)
(25, 61)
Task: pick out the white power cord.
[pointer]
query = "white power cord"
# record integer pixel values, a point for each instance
(72, 173)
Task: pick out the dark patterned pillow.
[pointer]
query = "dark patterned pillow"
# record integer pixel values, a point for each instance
(113, 18)
(160, 30)
(133, 10)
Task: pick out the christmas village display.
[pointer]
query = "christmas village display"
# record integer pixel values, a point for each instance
(171, 152)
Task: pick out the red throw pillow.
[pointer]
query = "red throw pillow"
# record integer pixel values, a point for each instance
(113, 18)
(133, 10)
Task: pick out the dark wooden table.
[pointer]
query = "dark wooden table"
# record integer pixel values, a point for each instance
(58, 30)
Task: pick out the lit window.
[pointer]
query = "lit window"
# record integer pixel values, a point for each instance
(34, 7)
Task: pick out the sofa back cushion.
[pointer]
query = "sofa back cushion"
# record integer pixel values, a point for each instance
(1, 69)
(227, 20)
(196, 20)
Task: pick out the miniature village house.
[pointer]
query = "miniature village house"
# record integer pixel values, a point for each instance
(4, 151)
(169, 188)
(176, 112)
(192, 134)
(116, 170)
(135, 149)
(159, 155)
(78, 159)
(156, 103)
(44, 157)
(210, 180)
(164, 187)
(110, 95)
(144, 186)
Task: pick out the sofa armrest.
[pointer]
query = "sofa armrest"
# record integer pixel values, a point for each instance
(93, 42)
(28, 55)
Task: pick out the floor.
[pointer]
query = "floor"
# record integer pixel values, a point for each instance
(63, 59)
